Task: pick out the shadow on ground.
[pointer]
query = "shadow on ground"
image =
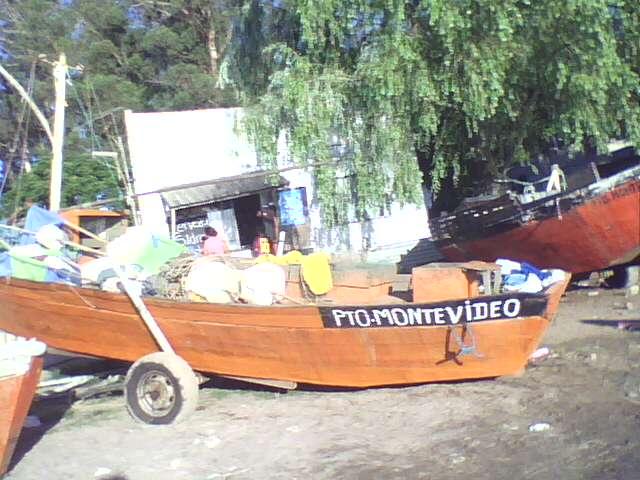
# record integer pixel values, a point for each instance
(626, 324)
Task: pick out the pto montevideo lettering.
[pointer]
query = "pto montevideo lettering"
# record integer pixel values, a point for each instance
(453, 313)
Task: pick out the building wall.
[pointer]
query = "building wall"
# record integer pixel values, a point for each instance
(400, 228)
(168, 149)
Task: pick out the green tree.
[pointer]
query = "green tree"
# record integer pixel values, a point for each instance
(35, 32)
(145, 55)
(84, 178)
(460, 88)
(170, 51)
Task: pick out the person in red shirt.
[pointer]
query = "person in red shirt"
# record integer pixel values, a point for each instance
(213, 244)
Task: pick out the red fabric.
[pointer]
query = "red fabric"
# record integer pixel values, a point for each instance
(213, 246)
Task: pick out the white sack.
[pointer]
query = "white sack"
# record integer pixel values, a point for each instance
(260, 282)
(51, 237)
(214, 281)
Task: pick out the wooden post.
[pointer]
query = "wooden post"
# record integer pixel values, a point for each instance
(153, 327)
(128, 181)
(55, 186)
(173, 224)
(122, 169)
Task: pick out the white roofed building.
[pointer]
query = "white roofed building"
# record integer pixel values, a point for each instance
(193, 168)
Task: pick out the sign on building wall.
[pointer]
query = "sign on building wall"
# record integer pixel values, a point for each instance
(189, 232)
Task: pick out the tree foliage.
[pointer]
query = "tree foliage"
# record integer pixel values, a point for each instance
(458, 87)
(80, 170)
(381, 95)
(144, 55)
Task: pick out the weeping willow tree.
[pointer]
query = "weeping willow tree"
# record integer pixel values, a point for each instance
(444, 87)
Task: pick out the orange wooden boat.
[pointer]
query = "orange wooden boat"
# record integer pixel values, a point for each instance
(592, 225)
(347, 345)
(16, 394)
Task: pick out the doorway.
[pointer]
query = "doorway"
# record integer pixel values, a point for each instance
(246, 209)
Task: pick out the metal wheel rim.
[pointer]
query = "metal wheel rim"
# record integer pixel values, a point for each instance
(156, 393)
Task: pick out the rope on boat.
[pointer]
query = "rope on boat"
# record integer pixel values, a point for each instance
(84, 300)
(169, 281)
(465, 349)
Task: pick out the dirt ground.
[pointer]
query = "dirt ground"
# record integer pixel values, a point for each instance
(587, 391)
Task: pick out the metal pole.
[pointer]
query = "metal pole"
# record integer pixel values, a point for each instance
(59, 79)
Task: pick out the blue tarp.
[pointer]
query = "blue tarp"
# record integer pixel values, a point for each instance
(293, 205)
(19, 266)
(38, 217)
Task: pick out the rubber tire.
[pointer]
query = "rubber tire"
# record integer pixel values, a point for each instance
(178, 371)
(624, 276)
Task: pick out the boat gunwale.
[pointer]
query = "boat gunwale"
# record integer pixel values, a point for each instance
(204, 306)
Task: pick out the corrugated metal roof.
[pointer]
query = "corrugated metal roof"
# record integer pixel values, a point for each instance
(222, 189)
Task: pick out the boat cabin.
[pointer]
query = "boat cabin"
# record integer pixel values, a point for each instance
(103, 223)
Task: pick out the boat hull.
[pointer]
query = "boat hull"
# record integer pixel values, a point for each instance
(594, 233)
(16, 395)
(291, 343)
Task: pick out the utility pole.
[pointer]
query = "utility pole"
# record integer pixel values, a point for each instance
(59, 78)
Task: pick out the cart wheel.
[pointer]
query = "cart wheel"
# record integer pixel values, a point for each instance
(161, 388)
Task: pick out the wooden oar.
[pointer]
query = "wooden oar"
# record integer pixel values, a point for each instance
(155, 330)
(84, 248)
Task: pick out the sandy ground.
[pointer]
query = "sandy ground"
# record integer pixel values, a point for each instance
(587, 391)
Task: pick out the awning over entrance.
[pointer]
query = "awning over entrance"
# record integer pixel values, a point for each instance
(222, 189)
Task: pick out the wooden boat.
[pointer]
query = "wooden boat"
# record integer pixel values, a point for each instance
(592, 225)
(345, 345)
(16, 394)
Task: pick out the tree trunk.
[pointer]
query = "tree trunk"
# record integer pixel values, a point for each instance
(214, 54)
